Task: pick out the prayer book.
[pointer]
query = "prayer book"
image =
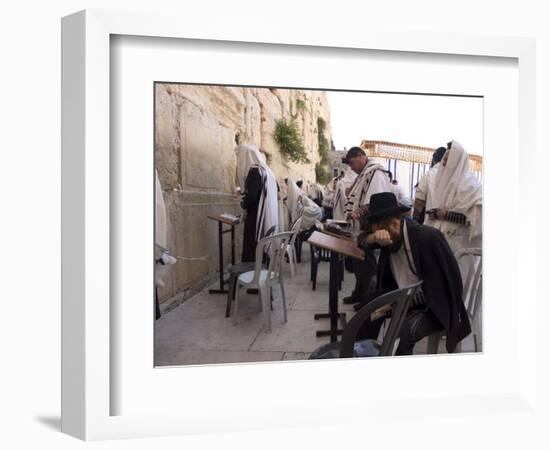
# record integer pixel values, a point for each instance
(229, 216)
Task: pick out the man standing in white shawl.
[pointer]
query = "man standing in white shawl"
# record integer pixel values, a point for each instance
(293, 200)
(399, 192)
(163, 259)
(259, 197)
(426, 184)
(371, 179)
(311, 212)
(328, 198)
(344, 183)
(300, 205)
(454, 205)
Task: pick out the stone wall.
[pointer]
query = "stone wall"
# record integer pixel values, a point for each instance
(196, 130)
(336, 163)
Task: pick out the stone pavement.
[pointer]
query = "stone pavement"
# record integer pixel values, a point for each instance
(197, 331)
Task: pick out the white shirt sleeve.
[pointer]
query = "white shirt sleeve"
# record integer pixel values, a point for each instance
(400, 195)
(422, 188)
(380, 183)
(328, 196)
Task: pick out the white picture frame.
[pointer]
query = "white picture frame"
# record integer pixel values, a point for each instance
(86, 220)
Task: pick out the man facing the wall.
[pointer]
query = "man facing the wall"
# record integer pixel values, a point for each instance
(259, 197)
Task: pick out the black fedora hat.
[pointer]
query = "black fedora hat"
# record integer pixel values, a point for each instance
(382, 206)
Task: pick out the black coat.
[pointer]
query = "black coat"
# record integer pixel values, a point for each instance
(436, 266)
(250, 202)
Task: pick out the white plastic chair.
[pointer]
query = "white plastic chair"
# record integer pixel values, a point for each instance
(290, 250)
(471, 294)
(264, 279)
(472, 288)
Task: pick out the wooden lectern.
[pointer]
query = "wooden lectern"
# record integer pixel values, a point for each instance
(337, 246)
(231, 220)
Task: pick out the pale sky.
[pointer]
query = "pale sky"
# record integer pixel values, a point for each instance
(424, 120)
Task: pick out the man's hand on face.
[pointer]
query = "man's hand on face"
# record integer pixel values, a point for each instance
(380, 237)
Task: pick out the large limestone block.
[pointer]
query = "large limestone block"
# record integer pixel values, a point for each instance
(253, 120)
(286, 100)
(227, 104)
(167, 137)
(227, 159)
(201, 145)
(170, 288)
(197, 236)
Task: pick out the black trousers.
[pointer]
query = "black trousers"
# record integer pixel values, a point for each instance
(157, 307)
(418, 324)
(249, 237)
(300, 238)
(298, 247)
(364, 272)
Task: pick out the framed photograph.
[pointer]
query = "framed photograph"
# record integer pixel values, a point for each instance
(219, 204)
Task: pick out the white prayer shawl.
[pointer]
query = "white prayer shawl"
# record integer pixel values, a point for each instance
(283, 217)
(340, 198)
(160, 214)
(293, 199)
(328, 193)
(160, 233)
(400, 195)
(318, 192)
(311, 191)
(426, 183)
(310, 214)
(361, 192)
(248, 157)
(456, 189)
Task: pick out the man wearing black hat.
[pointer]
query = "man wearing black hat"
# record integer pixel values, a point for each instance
(412, 252)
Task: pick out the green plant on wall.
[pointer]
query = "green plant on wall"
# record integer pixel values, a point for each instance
(321, 174)
(321, 170)
(322, 141)
(290, 142)
(300, 105)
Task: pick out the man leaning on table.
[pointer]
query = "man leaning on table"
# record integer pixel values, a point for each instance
(411, 252)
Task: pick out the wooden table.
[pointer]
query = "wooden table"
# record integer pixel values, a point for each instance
(231, 221)
(337, 246)
(336, 235)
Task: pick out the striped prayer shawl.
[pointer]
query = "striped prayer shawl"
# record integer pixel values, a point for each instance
(361, 186)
